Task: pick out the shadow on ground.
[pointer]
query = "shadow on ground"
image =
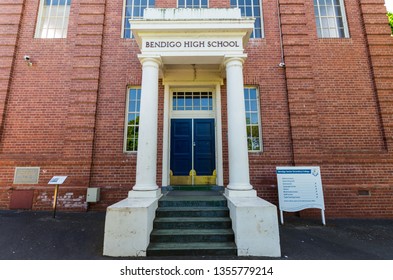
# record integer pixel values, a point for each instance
(30, 235)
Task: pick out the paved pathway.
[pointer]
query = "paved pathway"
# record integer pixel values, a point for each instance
(31, 235)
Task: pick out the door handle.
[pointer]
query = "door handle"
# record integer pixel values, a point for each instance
(193, 143)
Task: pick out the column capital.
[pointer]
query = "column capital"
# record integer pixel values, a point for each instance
(234, 60)
(150, 60)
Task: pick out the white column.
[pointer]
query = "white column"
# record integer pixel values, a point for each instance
(239, 177)
(146, 168)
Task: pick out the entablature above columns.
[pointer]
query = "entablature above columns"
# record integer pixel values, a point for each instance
(192, 36)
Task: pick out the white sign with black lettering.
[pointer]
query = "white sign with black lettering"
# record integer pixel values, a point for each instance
(300, 188)
(57, 180)
(191, 44)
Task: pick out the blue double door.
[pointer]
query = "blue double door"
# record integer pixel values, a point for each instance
(192, 147)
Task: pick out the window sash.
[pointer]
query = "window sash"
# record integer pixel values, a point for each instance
(253, 119)
(192, 101)
(192, 3)
(134, 9)
(331, 20)
(132, 119)
(53, 19)
(251, 8)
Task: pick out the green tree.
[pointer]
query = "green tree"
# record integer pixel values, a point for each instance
(390, 16)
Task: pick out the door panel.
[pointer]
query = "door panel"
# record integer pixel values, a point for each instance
(192, 152)
(181, 146)
(204, 149)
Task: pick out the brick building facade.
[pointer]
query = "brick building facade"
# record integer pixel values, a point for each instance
(331, 106)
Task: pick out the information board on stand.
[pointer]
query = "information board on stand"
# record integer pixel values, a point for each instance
(300, 188)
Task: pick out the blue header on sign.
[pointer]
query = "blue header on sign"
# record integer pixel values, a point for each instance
(292, 171)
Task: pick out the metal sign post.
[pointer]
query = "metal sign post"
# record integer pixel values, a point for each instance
(56, 180)
(55, 200)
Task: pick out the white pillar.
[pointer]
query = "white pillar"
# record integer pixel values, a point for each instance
(146, 168)
(239, 177)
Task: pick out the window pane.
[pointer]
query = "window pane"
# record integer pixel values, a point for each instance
(254, 106)
(53, 19)
(251, 8)
(205, 101)
(332, 22)
(134, 9)
(189, 105)
(180, 103)
(255, 144)
(248, 107)
(252, 118)
(249, 144)
(323, 11)
(249, 133)
(341, 33)
(330, 14)
(253, 94)
(333, 33)
(192, 101)
(340, 22)
(248, 118)
(325, 23)
(338, 11)
(330, 11)
(132, 125)
(197, 103)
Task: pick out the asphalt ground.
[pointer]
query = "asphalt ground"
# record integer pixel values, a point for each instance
(31, 235)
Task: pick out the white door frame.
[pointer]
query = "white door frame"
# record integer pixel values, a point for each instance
(192, 86)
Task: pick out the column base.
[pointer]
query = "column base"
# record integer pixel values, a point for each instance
(240, 193)
(149, 194)
(128, 225)
(255, 224)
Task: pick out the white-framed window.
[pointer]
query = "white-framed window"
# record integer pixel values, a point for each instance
(253, 123)
(192, 3)
(192, 101)
(251, 8)
(134, 9)
(132, 119)
(52, 21)
(331, 19)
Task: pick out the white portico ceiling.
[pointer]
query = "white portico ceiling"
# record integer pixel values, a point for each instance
(192, 36)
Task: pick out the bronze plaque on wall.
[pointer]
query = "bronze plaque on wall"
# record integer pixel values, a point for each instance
(26, 175)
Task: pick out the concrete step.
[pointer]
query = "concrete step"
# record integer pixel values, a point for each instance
(192, 235)
(192, 201)
(192, 212)
(192, 249)
(194, 188)
(192, 222)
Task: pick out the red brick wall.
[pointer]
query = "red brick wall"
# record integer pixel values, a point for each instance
(337, 115)
(330, 107)
(49, 118)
